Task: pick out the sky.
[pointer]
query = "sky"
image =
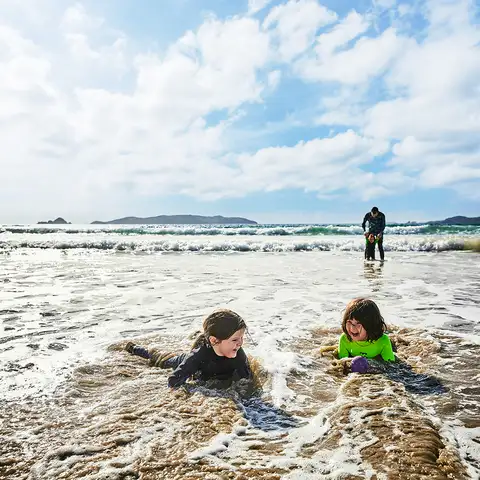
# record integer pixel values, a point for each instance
(296, 111)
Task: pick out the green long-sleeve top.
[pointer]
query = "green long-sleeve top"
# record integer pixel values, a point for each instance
(367, 349)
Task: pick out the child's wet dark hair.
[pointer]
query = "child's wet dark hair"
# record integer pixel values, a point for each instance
(221, 324)
(366, 312)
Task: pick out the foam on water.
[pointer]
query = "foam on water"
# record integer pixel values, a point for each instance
(66, 317)
(118, 420)
(148, 243)
(232, 230)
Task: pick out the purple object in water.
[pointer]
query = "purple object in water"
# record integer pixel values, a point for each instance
(359, 365)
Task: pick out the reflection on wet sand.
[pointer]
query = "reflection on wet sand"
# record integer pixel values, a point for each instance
(118, 420)
(373, 273)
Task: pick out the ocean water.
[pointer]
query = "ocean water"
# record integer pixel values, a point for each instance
(75, 405)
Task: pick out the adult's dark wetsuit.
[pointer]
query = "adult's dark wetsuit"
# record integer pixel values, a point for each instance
(376, 225)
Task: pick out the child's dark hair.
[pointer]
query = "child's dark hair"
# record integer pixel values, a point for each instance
(221, 324)
(366, 312)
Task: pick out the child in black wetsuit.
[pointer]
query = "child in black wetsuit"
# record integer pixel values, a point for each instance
(216, 354)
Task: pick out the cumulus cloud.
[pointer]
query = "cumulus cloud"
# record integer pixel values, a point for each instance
(90, 143)
(93, 123)
(435, 120)
(255, 6)
(344, 31)
(367, 59)
(433, 92)
(324, 165)
(295, 25)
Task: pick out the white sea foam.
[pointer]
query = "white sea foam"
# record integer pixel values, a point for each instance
(238, 230)
(205, 243)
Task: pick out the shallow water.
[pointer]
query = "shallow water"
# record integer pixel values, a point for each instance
(76, 406)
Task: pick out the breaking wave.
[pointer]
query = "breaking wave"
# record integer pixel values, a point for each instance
(242, 230)
(251, 244)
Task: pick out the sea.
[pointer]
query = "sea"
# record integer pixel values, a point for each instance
(75, 405)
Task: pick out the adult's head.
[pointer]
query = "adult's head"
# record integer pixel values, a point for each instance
(374, 211)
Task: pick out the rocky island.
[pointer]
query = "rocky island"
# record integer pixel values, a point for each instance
(57, 221)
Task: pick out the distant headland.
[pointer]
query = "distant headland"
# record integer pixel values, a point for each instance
(57, 221)
(179, 220)
(459, 220)
(219, 220)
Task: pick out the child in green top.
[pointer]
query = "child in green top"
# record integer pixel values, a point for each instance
(364, 332)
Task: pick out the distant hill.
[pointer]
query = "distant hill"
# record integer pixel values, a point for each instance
(179, 220)
(59, 221)
(458, 221)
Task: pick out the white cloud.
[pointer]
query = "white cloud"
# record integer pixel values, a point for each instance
(295, 25)
(384, 3)
(434, 91)
(405, 9)
(212, 69)
(368, 58)
(436, 119)
(345, 108)
(274, 78)
(76, 19)
(255, 6)
(348, 29)
(152, 140)
(323, 165)
(80, 47)
(88, 123)
(437, 162)
(97, 54)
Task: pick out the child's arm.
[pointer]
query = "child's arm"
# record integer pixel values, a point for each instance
(387, 350)
(342, 346)
(186, 369)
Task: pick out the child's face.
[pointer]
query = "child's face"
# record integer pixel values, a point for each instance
(356, 330)
(229, 347)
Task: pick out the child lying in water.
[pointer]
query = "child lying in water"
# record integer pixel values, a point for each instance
(364, 332)
(216, 354)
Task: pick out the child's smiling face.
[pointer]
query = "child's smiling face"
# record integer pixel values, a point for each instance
(230, 346)
(356, 331)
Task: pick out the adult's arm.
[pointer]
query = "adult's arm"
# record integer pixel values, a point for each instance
(365, 219)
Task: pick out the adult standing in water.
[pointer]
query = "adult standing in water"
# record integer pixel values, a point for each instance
(376, 225)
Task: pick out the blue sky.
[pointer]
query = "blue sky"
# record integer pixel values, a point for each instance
(280, 111)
